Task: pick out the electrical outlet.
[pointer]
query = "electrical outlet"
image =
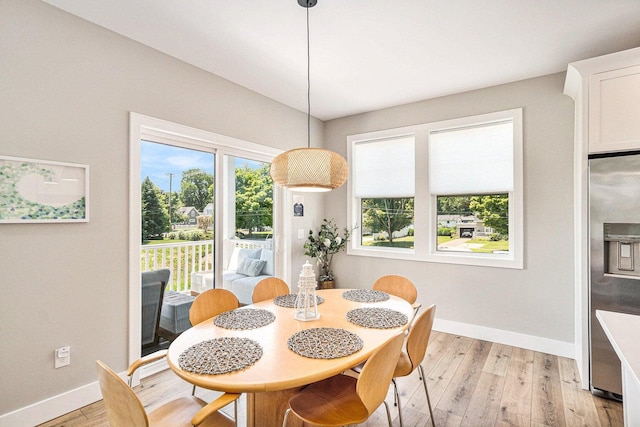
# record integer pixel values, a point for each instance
(62, 356)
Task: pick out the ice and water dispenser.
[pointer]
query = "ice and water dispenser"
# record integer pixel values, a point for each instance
(622, 249)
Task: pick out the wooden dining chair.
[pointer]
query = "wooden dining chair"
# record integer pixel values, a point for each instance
(342, 399)
(269, 288)
(399, 286)
(211, 303)
(125, 409)
(413, 355)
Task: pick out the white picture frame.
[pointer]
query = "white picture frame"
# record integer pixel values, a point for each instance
(43, 191)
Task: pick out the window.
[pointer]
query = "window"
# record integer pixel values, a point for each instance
(385, 187)
(448, 191)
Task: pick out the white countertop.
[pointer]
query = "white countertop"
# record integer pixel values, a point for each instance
(623, 330)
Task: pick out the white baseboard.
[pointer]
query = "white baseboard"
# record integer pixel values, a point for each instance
(515, 339)
(52, 407)
(56, 406)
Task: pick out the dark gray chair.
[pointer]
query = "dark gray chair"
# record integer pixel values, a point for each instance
(153, 285)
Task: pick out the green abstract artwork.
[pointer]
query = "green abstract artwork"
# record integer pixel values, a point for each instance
(42, 191)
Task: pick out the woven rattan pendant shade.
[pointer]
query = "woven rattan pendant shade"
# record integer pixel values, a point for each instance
(309, 169)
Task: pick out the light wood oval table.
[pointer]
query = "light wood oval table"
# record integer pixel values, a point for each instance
(280, 372)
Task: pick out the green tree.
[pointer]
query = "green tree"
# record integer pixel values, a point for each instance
(454, 205)
(195, 188)
(493, 210)
(254, 198)
(176, 204)
(387, 215)
(155, 218)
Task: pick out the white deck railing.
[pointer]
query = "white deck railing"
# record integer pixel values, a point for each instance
(185, 258)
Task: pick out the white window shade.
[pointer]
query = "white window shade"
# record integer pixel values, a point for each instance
(384, 168)
(471, 160)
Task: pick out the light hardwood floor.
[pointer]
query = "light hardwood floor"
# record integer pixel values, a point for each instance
(471, 383)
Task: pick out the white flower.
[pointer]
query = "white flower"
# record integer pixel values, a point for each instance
(327, 242)
(338, 240)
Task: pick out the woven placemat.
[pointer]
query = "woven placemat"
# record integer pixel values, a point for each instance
(220, 355)
(289, 300)
(324, 343)
(377, 318)
(247, 318)
(365, 295)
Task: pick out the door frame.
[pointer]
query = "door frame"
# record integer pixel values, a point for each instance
(162, 131)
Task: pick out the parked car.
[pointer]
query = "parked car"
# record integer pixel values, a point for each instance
(466, 234)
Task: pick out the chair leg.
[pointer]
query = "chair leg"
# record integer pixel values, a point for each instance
(235, 412)
(193, 391)
(386, 406)
(286, 416)
(396, 399)
(395, 392)
(424, 383)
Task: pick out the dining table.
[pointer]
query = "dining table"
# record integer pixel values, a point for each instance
(263, 350)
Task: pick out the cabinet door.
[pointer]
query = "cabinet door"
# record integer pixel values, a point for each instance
(614, 110)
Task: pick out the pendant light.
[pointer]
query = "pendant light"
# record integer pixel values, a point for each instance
(309, 169)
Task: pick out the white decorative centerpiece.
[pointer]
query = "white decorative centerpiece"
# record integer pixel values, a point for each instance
(306, 303)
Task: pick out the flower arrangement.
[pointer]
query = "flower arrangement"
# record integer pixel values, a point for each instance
(324, 245)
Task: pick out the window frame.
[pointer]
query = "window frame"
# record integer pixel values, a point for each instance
(425, 203)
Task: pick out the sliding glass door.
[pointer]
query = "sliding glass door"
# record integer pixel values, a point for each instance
(197, 199)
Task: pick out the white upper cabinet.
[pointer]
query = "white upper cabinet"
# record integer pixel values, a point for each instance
(614, 110)
(606, 90)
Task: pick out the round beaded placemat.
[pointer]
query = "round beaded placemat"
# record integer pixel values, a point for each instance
(365, 295)
(376, 318)
(289, 300)
(248, 318)
(220, 355)
(324, 343)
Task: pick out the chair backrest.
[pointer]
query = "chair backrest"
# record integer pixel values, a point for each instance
(418, 337)
(396, 285)
(121, 404)
(269, 288)
(152, 293)
(211, 303)
(377, 372)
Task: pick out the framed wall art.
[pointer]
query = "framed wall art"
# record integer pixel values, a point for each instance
(42, 191)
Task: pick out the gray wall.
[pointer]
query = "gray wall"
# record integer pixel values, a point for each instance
(535, 301)
(66, 90)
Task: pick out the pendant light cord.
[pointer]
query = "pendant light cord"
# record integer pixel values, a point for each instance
(308, 85)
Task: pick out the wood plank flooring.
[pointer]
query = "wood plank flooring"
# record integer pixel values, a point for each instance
(471, 383)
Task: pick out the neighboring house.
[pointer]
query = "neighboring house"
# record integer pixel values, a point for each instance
(473, 229)
(208, 210)
(191, 213)
(448, 221)
(466, 226)
(468, 219)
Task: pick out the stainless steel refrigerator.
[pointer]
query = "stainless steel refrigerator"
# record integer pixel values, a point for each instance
(614, 238)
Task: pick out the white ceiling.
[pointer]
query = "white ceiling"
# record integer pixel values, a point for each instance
(367, 55)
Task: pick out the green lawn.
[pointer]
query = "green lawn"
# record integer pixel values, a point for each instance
(401, 242)
(490, 246)
(407, 243)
